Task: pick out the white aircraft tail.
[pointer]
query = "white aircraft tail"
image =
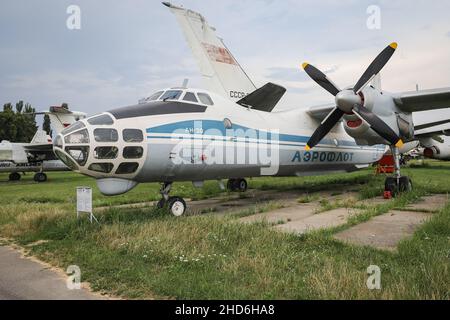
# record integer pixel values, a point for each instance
(61, 118)
(41, 137)
(220, 70)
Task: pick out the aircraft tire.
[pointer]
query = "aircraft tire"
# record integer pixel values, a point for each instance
(405, 184)
(40, 177)
(176, 206)
(241, 185)
(161, 203)
(14, 176)
(391, 185)
(231, 185)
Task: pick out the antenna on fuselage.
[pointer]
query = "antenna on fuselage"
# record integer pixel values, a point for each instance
(185, 83)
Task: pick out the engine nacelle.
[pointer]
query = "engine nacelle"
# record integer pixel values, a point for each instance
(384, 107)
(436, 150)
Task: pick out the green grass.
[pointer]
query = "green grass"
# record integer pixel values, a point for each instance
(146, 253)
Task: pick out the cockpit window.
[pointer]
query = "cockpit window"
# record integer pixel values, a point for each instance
(73, 127)
(79, 154)
(190, 96)
(171, 95)
(103, 119)
(205, 98)
(78, 137)
(132, 135)
(106, 135)
(154, 96)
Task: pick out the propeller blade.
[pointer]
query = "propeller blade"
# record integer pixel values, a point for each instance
(378, 125)
(325, 127)
(375, 67)
(320, 78)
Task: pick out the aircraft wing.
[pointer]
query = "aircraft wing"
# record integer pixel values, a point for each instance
(264, 98)
(43, 151)
(423, 100)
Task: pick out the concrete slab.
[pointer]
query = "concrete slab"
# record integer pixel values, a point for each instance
(385, 231)
(324, 220)
(374, 201)
(429, 203)
(24, 279)
(284, 215)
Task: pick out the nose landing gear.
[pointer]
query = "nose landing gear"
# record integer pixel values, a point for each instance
(175, 205)
(398, 183)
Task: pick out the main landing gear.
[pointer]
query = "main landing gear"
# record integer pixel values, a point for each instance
(237, 185)
(40, 177)
(14, 176)
(398, 183)
(175, 205)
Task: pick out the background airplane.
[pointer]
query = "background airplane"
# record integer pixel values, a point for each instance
(37, 155)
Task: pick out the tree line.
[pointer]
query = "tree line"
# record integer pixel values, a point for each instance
(18, 123)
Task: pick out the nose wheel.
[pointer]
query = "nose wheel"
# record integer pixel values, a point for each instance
(175, 205)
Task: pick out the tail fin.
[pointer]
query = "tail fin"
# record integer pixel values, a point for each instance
(61, 118)
(220, 70)
(40, 137)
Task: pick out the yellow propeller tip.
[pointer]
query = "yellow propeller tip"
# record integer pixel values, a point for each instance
(307, 148)
(399, 143)
(304, 65)
(393, 45)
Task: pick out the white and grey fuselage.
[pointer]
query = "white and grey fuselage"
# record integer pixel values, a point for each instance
(195, 135)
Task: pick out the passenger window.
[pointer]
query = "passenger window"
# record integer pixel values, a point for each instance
(79, 154)
(105, 152)
(132, 135)
(171, 95)
(190, 96)
(127, 168)
(205, 98)
(78, 137)
(101, 167)
(106, 135)
(133, 152)
(103, 119)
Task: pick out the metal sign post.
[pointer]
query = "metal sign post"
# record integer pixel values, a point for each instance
(84, 202)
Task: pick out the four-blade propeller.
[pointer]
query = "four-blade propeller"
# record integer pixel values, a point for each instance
(349, 101)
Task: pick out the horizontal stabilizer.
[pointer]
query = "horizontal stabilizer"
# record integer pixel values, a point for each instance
(264, 98)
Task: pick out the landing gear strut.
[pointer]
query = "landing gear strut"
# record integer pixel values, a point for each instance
(176, 205)
(237, 185)
(398, 183)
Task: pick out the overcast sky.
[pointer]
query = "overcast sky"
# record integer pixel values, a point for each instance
(127, 49)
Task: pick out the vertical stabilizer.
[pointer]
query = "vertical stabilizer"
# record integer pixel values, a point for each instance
(221, 72)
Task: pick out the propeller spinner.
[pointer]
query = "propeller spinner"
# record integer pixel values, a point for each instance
(349, 101)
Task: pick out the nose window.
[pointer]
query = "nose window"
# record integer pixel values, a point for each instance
(67, 161)
(101, 167)
(81, 136)
(127, 168)
(132, 135)
(133, 152)
(106, 152)
(79, 154)
(101, 120)
(106, 135)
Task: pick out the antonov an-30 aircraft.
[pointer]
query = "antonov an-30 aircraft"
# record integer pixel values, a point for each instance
(230, 131)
